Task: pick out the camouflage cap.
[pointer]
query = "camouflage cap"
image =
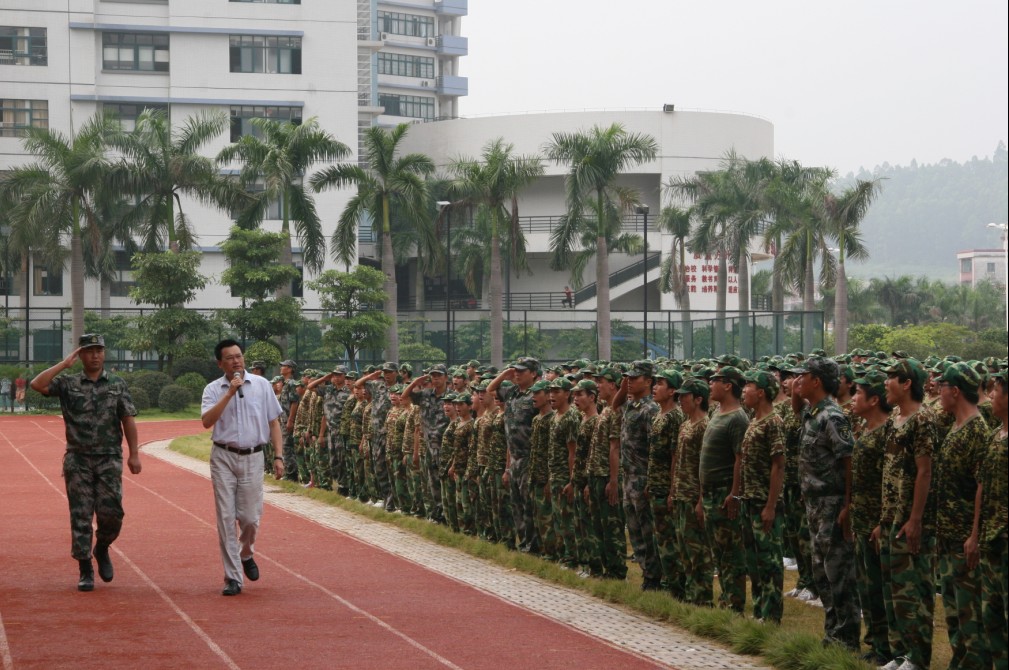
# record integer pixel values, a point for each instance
(459, 372)
(762, 380)
(561, 384)
(479, 386)
(389, 366)
(474, 363)
(642, 368)
(340, 370)
(673, 377)
(847, 372)
(581, 363)
(587, 385)
(610, 374)
(396, 389)
(353, 374)
(288, 363)
(909, 368)
(590, 370)
(873, 382)
(371, 368)
(825, 369)
(91, 340)
(900, 353)
(276, 379)
(406, 367)
(962, 376)
(448, 397)
(527, 363)
(817, 352)
(464, 398)
(541, 385)
(258, 365)
(695, 386)
(731, 374)
(436, 369)
(730, 360)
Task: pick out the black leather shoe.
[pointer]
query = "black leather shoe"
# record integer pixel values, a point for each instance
(101, 553)
(87, 580)
(231, 588)
(250, 568)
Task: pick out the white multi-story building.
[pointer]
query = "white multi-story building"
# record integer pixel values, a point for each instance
(977, 265)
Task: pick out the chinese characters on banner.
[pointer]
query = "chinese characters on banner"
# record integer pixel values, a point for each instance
(702, 275)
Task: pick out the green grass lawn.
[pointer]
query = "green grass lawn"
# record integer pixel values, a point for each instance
(795, 645)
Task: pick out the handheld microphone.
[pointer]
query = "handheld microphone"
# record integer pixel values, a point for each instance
(238, 375)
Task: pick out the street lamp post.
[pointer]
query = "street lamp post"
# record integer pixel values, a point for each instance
(1005, 250)
(444, 207)
(643, 210)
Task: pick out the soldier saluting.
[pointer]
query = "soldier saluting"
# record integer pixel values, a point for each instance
(97, 412)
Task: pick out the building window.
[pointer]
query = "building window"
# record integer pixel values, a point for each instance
(18, 115)
(406, 66)
(965, 266)
(413, 106)
(411, 25)
(298, 283)
(135, 52)
(127, 113)
(991, 268)
(268, 54)
(123, 281)
(46, 281)
(23, 46)
(241, 115)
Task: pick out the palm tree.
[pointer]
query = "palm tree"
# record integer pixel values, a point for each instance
(493, 183)
(844, 214)
(899, 296)
(390, 184)
(57, 196)
(159, 167)
(673, 278)
(278, 163)
(596, 159)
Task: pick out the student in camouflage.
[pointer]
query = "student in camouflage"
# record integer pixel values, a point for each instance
(378, 383)
(762, 471)
(606, 537)
(664, 432)
(460, 461)
(639, 411)
(585, 394)
(445, 457)
(991, 521)
(429, 393)
(721, 459)
(956, 481)
(825, 471)
(869, 404)
(350, 448)
(560, 462)
(289, 399)
(539, 471)
(97, 413)
(906, 533)
(497, 456)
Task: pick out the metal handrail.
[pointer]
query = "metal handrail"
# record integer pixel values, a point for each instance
(619, 277)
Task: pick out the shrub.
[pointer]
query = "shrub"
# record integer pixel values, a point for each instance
(152, 382)
(194, 383)
(141, 400)
(173, 398)
(207, 367)
(267, 352)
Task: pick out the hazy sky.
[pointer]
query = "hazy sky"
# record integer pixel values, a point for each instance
(846, 84)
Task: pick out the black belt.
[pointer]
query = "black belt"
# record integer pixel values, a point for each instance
(238, 450)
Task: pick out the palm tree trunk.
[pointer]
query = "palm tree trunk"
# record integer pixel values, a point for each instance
(720, 304)
(76, 285)
(777, 288)
(106, 297)
(496, 300)
(743, 291)
(391, 292)
(603, 298)
(808, 299)
(684, 297)
(841, 310)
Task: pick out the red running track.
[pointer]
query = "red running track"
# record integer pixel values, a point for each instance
(325, 599)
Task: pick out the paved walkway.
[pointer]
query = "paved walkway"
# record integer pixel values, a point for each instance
(660, 642)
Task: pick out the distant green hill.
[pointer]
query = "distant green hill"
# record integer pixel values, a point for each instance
(925, 214)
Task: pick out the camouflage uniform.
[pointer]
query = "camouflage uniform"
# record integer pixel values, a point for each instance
(464, 439)
(663, 435)
(348, 419)
(586, 434)
(380, 406)
(606, 543)
(539, 481)
(415, 474)
(826, 442)
(635, 423)
(303, 434)
(956, 478)
(864, 511)
(288, 398)
(395, 424)
(447, 487)
(693, 548)
(434, 422)
(501, 504)
(764, 439)
(518, 416)
(992, 541)
(334, 401)
(93, 412)
(908, 579)
(366, 451)
(476, 472)
(796, 526)
(563, 429)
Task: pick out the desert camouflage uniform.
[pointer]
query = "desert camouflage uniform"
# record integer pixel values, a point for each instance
(992, 541)
(908, 579)
(665, 430)
(563, 430)
(955, 474)
(606, 542)
(518, 414)
(93, 412)
(796, 527)
(864, 511)
(635, 423)
(539, 483)
(764, 439)
(693, 547)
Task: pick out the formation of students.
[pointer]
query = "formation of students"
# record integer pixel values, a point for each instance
(882, 477)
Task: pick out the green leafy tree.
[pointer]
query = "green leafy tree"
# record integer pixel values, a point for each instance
(355, 324)
(254, 274)
(389, 183)
(595, 158)
(673, 278)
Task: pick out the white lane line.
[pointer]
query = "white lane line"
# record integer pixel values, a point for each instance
(8, 663)
(5, 650)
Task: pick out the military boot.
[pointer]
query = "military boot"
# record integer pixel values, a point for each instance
(87, 580)
(101, 553)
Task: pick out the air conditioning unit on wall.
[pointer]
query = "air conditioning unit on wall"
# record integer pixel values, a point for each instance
(383, 36)
(431, 41)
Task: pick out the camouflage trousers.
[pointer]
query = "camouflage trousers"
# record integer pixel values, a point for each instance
(501, 511)
(268, 456)
(640, 528)
(564, 524)
(304, 473)
(693, 555)
(543, 521)
(433, 497)
(664, 531)
(522, 505)
(796, 536)
(368, 474)
(290, 458)
(398, 481)
(834, 571)
(580, 508)
(605, 539)
(355, 472)
(320, 465)
(418, 491)
(763, 559)
(94, 491)
(869, 580)
(994, 607)
(961, 601)
(908, 595)
(448, 498)
(383, 482)
(726, 538)
(338, 460)
(485, 505)
(465, 496)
